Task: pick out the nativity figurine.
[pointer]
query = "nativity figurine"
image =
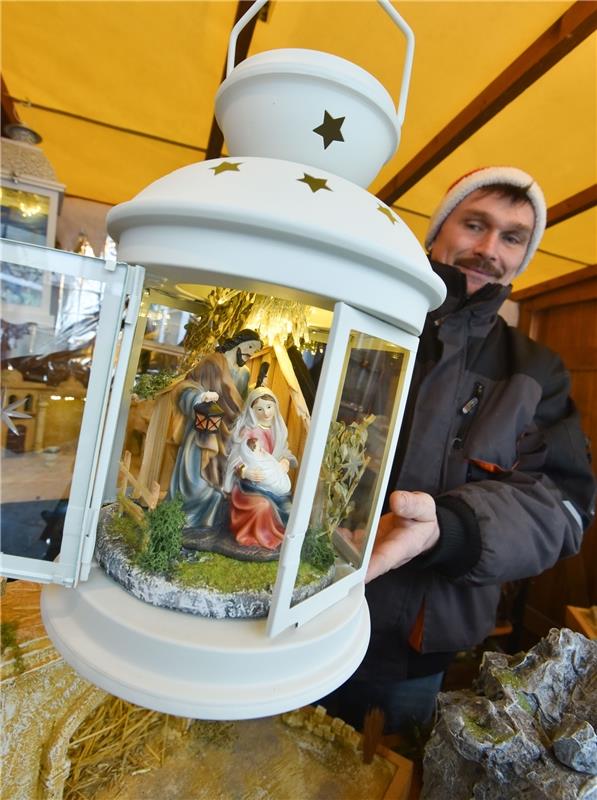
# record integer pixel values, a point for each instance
(256, 477)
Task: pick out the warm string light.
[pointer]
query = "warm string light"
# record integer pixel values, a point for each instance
(28, 209)
(277, 320)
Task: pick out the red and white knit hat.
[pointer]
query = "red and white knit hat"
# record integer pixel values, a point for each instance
(488, 176)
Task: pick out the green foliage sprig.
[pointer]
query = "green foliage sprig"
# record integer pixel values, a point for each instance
(148, 385)
(317, 550)
(344, 462)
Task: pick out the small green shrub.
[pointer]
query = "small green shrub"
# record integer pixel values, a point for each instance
(317, 550)
(164, 543)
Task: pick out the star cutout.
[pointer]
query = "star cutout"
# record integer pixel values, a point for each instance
(329, 130)
(386, 212)
(227, 166)
(315, 184)
(9, 411)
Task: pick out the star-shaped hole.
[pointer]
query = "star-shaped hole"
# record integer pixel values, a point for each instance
(387, 213)
(226, 166)
(329, 130)
(315, 184)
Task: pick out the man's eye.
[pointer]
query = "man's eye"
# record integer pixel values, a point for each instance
(512, 238)
(473, 226)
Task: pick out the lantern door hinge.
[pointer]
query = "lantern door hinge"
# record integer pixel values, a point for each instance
(134, 288)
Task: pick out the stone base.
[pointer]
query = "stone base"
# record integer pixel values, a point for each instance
(165, 593)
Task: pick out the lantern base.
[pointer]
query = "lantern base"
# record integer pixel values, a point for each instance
(201, 668)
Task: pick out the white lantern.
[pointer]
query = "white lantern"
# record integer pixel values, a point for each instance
(294, 229)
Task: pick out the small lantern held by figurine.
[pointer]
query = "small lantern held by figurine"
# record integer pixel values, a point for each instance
(208, 417)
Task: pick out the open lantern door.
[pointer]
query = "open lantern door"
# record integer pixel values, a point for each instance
(347, 459)
(68, 323)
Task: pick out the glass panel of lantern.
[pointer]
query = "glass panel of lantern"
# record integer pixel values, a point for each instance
(61, 325)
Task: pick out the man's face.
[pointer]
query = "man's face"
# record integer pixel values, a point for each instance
(245, 350)
(486, 238)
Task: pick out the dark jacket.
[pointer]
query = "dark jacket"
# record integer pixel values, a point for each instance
(491, 432)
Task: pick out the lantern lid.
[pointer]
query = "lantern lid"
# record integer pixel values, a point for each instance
(276, 226)
(317, 65)
(310, 107)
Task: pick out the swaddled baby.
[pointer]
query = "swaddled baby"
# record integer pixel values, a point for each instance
(275, 479)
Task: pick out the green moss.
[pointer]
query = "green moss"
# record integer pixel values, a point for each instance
(214, 571)
(524, 703)
(484, 734)
(8, 641)
(508, 678)
(128, 532)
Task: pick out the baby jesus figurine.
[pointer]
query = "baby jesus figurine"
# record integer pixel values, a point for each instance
(274, 473)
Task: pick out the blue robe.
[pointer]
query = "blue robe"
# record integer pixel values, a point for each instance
(202, 500)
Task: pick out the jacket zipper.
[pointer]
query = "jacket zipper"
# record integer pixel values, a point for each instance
(468, 411)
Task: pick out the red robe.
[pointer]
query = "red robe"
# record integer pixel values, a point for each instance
(254, 517)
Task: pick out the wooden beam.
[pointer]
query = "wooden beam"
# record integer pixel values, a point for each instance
(578, 22)
(579, 202)
(100, 123)
(579, 276)
(216, 138)
(10, 114)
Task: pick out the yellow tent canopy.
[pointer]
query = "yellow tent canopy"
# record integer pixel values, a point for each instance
(123, 92)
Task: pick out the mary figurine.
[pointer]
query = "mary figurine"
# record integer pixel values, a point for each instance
(259, 497)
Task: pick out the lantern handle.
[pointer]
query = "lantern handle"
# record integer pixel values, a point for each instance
(386, 6)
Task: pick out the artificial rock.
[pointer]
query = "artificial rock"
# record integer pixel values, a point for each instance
(528, 729)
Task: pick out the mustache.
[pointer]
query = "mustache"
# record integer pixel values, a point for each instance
(480, 264)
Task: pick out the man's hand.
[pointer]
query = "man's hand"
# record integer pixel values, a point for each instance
(409, 529)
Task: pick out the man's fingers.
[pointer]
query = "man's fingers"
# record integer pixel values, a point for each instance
(419, 506)
(387, 556)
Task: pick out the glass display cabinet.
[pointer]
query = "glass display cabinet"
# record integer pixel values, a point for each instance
(30, 196)
(242, 374)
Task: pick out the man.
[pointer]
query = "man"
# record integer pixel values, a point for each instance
(237, 351)
(492, 471)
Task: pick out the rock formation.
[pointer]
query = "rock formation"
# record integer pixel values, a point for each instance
(527, 731)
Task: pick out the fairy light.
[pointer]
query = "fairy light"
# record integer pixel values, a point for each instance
(277, 320)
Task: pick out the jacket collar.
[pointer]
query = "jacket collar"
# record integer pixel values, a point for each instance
(483, 304)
